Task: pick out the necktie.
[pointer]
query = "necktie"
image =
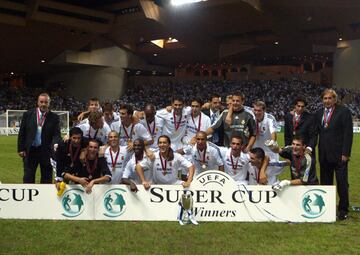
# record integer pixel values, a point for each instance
(326, 117)
(215, 137)
(37, 140)
(213, 118)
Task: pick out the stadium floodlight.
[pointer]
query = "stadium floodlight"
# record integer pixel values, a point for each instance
(182, 2)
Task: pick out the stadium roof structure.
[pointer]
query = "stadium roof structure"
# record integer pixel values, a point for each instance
(36, 31)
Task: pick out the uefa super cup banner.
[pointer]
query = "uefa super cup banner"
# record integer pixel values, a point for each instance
(215, 195)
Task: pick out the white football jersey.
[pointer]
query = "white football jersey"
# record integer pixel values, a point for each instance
(130, 171)
(200, 123)
(118, 159)
(154, 129)
(210, 161)
(100, 134)
(236, 167)
(166, 172)
(170, 121)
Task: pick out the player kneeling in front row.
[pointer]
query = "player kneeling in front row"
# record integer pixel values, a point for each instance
(236, 162)
(301, 165)
(203, 155)
(116, 157)
(258, 161)
(94, 171)
(165, 166)
(68, 154)
(130, 176)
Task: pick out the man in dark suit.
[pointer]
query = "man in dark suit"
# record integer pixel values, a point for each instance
(300, 122)
(335, 129)
(214, 112)
(39, 129)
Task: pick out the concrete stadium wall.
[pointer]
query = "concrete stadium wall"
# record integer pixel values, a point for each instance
(347, 64)
(106, 83)
(98, 71)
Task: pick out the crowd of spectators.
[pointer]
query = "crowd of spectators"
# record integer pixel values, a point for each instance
(278, 95)
(25, 98)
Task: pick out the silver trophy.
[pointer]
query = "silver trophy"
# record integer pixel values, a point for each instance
(185, 215)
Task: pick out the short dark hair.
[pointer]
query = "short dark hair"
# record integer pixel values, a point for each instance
(92, 140)
(94, 99)
(300, 99)
(299, 138)
(259, 152)
(239, 94)
(197, 99)
(141, 141)
(214, 96)
(237, 136)
(75, 131)
(151, 106)
(129, 109)
(108, 107)
(177, 98)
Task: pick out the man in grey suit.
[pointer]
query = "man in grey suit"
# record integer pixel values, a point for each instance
(39, 130)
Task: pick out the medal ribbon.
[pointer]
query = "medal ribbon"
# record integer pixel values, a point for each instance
(139, 159)
(113, 163)
(296, 121)
(73, 156)
(97, 130)
(328, 117)
(126, 133)
(177, 125)
(204, 155)
(297, 163)
(232, 162)
(152, 132)
(163, 165)
(199, 122)
(257, 128)
(91, 169)
(40, 121)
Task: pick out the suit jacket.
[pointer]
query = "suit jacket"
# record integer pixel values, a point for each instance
(50, 131)
(336, 139)
(305, 128)
(220, 130)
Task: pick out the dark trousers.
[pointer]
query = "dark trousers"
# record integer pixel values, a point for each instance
(341, 174)
(35, 157)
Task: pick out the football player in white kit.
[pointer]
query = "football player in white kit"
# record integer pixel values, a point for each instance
(95, 128)
(197, 121)
(153, 124)
(175, 122)
(129, 130)
(273, 169)
(111, 117)
(165, 167)
(203, 155)
(93, 106)
(116, 157)
(265, 129)
(130, 177)
(236, 161)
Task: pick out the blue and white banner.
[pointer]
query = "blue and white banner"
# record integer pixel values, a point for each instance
(216, 198)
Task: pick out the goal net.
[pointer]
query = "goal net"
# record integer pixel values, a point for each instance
(10, 121)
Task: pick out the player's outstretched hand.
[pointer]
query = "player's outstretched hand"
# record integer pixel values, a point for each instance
(280, 185)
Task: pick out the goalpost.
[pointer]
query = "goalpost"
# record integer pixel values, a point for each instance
(10, 121)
